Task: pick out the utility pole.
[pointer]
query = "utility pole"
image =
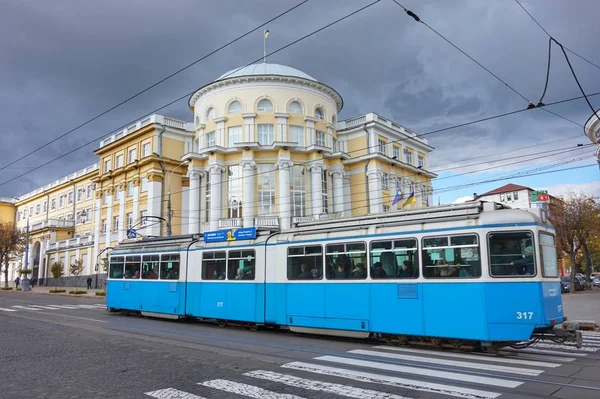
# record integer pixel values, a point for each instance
(27, 246)
(169, 211)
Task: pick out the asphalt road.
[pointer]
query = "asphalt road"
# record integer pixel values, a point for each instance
(63, 347)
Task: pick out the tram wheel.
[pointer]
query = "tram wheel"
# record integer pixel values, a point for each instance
(222, 323)
(253, 327)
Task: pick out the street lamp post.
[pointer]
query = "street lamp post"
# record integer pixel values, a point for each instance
(98, 265)
(169, 232)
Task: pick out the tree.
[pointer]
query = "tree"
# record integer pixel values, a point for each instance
(12, 242)
(76, 268)
(57, 271)
(576, 219)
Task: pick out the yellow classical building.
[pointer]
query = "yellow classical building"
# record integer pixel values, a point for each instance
(265, 149)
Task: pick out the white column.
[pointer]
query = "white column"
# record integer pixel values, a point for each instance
(216, 189)
(154, 200)
(220, 132)
(136, 202)
(109, 216)
(310, 133)
(375, 194)
(89, 262)
(248, 205)
(347, 203)
(281, 133)
(329, 137)
(285, 197)
(195, 176)
(122, 220)
(316, 193)
(67, 264)
(185, 209)
(97, 227)
(41, 266)
(373, 141)
(337, 176)
(249, 127)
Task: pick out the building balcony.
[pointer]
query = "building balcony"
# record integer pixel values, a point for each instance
(53, 224)
(229, 223)
(72, 243)
(266, 221)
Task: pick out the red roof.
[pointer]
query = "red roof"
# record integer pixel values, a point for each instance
(506, 189)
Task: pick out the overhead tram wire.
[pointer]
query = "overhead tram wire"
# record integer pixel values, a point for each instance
(190, 93)
(153, 85)
(549, 35)
(530, 104)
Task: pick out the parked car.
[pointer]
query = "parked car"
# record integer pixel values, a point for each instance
(566, 283)
(596, 282)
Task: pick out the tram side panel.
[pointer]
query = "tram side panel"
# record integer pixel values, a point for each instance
(397, 308)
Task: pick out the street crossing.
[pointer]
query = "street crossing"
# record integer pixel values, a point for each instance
(397, 372)
(52, 307)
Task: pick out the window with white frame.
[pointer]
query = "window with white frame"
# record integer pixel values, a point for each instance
(235, 135)
(234, 191)
(37, 209)
(320, 138)
(298, 190)
(132, 155)
(266, 189)
(45, 206)
(515, 195)
(143, 214)
(144, 184)
(334, 145)
(502, 198)
(297, 135)
(107, 166)
(105, 197)
(31, 211)
(508, 196)
(385, 181)
(234, 108)
(53, 204)
(116, 223)
(381, 147)
(79, 194)
(88, 214)
(210, 113)
(264, 105)
(70, 196)
(324, 191)
(420, 162)
(119, 161)
(104, 226)
(210, 139)
(129, 220)
(61, 200)
(146, 149)
(319, 113)
(266, 134)
(90, 191)
(25, 214)
(295, 108)
(396, 153)
(408, 157)
(130, 189)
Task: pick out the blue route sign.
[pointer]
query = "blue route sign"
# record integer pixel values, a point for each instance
(247, 233)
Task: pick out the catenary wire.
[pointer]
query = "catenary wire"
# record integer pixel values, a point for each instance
(154, 85)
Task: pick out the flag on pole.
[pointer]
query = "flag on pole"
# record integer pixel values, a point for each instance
(411, 197)
(399, 196)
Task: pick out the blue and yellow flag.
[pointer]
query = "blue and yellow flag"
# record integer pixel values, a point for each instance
(411, 198)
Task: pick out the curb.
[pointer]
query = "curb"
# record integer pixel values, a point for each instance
(64, 294)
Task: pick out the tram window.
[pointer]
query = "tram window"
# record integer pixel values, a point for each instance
(394, 259)
(116, 266)
(305, 263)
(132, 266)
(451, 257)
(549, 260)
(512, 254)
(213, 265)
(240, 265)
(346, 261)
(150, 266)
(169, 267)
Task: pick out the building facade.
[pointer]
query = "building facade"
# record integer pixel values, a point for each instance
(592, 130)
(520, 197)
(265, 149)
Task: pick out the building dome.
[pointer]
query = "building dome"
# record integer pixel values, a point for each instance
(265, 69)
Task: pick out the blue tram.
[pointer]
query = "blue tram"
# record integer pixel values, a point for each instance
(476, 273)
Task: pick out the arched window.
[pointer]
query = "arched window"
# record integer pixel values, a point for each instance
(295, 108)
(265, 105)
(319, 113)
(210, 113)
(235, 108)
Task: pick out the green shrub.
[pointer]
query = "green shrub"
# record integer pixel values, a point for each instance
(77, 292)
(100, 293)
(56, 291)
(19, 289)
(6, 288)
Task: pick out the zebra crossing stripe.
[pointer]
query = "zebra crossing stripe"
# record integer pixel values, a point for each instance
(44, 307)
(24, 307)
(449, 375)
(587, 348)
(8, 310)
(65, 306)
(482, 357)
(446, 362)
(247, 390)
(397, 382)
(542, 351)
(172, 393)
(329, 387)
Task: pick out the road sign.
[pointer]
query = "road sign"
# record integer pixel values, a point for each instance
(131, 233)
(540, 196)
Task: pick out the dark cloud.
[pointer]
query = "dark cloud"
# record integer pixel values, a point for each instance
(63, 62)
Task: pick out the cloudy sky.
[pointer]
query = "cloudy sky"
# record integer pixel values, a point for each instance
(63, 62)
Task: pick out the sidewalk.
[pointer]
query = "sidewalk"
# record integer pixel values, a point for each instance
(43, 290)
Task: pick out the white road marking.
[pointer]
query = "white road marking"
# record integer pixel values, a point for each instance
(422, 371)
(329, 387)
(66, 306)
(172, 393)
(479, 366)
(591, 333)
(392, 381)
(565, 347)
(88, 306)
(44, 307)
(24, 307)
(530, 349)
(8, 310)
(482, 357)
(247, 390)
(532, 356)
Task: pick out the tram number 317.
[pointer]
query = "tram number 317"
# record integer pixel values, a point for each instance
(524, 315)
(219, 304)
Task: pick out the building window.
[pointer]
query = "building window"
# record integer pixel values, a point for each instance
(266, 134)
(105, 197)
(144, 184)
(146, 149)
(386, 208)
(334, 145)
(295, 108)
(320, 138)
(319, 114)
(18, 216)
(119, 161)
(297, 135)
(70, 200)
(421, 162)
(104, 226)
(45, 207)
(116, 223)
(129, 220)
(324, 191)
(132, 155)
(107, 165)
(143, 214)
(266, 189)
(37, 209)
(25, 214)
(235, 107)
(408, 157)
(53, 204)
(264, 105)
(396, 152)
(210, 139)
(89, 191)
(515, 195)
(385, 181)
(88, 214)
(381, 147)
(130, 189)
(210, 113)
(79, 194)
(298, 191)
(234, 191)
(509, 197)
(235, 135)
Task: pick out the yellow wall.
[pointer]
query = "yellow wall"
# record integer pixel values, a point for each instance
(7, 212)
